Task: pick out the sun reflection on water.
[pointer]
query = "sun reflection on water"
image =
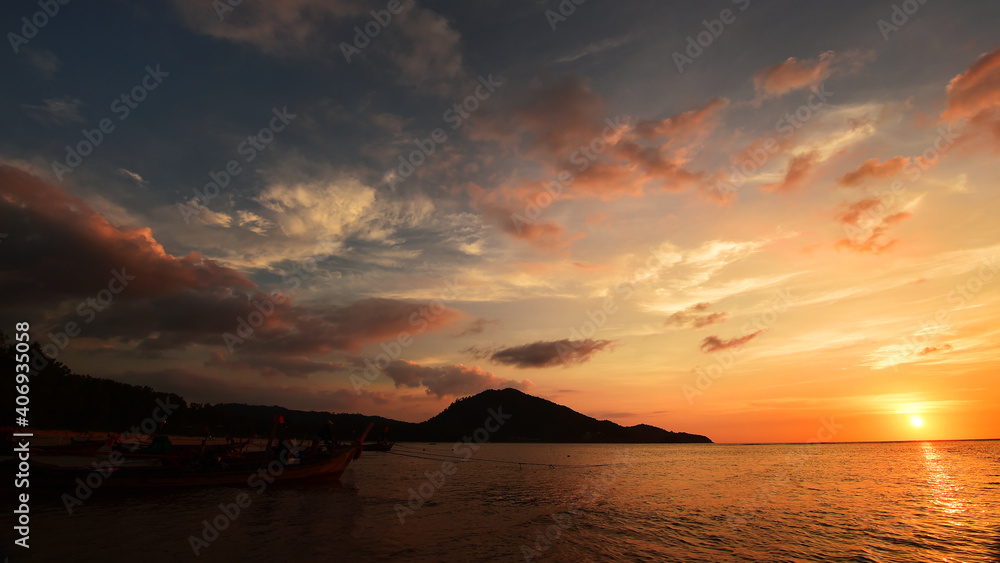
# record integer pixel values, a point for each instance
(945, 493)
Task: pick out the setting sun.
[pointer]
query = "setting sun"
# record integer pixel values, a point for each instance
(917, 421)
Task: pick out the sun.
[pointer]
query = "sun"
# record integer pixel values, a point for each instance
(917, 421)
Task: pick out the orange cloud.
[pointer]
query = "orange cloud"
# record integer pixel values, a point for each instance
(798, 170)
(53, 228)
(695, 317)
(713, 191)
(683, 125)
(867, 222)
(975, 90)
(854, 212)
(931, 349)
(974, 96)
(563, 115)
(796, 74)
(714, 343)
(547, 235)
(872, 168)
(568, 129)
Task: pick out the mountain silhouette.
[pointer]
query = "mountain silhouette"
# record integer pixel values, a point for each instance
(532, 419)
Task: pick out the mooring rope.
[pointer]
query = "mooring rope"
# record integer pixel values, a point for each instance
(433, 456)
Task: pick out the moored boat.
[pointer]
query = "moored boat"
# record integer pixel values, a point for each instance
(380, 446)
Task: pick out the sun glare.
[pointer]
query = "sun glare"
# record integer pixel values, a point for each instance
(917, 421)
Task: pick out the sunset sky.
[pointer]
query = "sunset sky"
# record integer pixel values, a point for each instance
(788, 232)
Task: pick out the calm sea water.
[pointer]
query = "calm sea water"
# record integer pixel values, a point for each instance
(908, 502)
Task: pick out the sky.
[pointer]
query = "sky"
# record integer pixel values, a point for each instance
(760, 222)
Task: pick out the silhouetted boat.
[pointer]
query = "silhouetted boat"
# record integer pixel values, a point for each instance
(380, 446)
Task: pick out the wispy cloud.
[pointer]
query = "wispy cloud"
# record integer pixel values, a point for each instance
(55, 111)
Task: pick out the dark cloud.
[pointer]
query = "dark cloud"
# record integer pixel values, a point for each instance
(455, 380)
(548, 354)
(274, 366)
(478, 326)
(714, 343)
(694, 317)
(265, 322)
(61, 248)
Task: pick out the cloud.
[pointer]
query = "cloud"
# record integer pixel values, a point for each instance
(561, 115)
(545, 354)
(795, 74)
(974, 97)
(307, 210)
(566, 126)
(568, 123)
(693, 317)
(975, 90)
(478, 326)
(680, 277)
(594, 48)
(798, 170)
(715, 191)
(867, 222)
(932, 349)
(60, 229)
(284, 329)
(428, 52)
(714, 343)
(129, 174)
(253, 222)
(685, 125)
(45, 62)
(274, 366)
(315, 208)
(286, 28)
(197, 387)
(856, 210)
(455, 380)
(874, 169)
(419, 42)
(55, 111)
(547, 235)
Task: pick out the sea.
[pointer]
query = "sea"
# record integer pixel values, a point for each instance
(857, 502)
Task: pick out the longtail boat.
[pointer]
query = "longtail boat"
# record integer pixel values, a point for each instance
(379, 446)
